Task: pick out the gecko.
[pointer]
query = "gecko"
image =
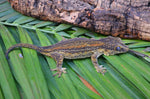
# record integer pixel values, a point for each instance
(78, 48)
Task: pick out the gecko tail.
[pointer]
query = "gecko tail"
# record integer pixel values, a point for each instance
(21, 45)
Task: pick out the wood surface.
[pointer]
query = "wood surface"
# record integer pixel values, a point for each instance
(123, 18)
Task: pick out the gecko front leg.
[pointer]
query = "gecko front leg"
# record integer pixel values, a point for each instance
(99, 68)
(59, 61)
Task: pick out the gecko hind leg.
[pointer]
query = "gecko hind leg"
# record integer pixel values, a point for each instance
(99, 68)
(59, 61)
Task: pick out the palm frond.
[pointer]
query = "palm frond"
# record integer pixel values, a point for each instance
(27, 73)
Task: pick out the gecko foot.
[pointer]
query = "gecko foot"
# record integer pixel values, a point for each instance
(100, 69)
(59, 71)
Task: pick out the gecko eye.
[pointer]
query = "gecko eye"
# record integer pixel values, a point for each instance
(118, 48)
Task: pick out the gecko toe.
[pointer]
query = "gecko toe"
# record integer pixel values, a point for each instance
(101, 69)
(54, 69)
(55, 74)
(59, 71)
(63, 70)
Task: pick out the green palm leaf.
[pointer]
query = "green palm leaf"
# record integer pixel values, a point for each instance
(27, 73)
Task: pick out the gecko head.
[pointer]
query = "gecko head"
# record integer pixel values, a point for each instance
(114, 45)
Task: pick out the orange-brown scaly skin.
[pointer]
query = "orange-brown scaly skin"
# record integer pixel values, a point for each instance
(79, 48)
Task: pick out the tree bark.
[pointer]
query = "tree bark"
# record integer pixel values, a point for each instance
(123, 18)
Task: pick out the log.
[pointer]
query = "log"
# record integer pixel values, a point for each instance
(123, 18)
